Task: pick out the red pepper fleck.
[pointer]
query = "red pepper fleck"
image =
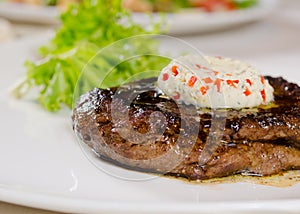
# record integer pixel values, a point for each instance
(204, 89)
(229, 75)
(192, 81)
(219, 57)
(165, 77)
(247, 92)
(263, 95)
(176, 96)
(216, 73)
(218, 84)
(174, 70)
(262, 79)
(208, 80)
(198, 66)
(232, 82)
(249, 82)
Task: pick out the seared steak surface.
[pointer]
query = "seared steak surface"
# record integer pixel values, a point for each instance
(137, 127)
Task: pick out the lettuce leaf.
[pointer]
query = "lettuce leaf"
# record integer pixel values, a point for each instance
(86, 28)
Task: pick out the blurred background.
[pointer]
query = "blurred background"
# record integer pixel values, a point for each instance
(253, 28)
(26, 18)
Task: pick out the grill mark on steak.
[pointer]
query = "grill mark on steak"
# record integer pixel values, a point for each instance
(262, 141)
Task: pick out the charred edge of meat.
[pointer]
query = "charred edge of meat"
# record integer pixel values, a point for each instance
(260, 141)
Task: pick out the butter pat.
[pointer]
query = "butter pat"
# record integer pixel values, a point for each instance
(215, 82)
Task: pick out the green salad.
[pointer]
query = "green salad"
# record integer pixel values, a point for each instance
(86, 28)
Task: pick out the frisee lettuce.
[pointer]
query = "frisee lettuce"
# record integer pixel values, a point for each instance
(86, 28)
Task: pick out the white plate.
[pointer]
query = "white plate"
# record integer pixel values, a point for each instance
(185, 22)
(29, 13)
(42, 166)
(194, 21)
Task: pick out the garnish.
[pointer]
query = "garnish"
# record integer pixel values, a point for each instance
(165, 77)
(226, 83)
(262, 79)
(249, 82)
(207, 80)
(232, 83)
(192, 81)
(218, 83)
(263, 95)
(174, 70)
(86, 28)
(204, 89)
(247, 92)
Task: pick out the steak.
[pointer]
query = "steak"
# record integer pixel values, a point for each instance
(137, 127)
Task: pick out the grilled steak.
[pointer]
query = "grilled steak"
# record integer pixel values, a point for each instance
(137, 127)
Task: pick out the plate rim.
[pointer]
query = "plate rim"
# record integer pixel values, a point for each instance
(60, 203)
(70, 204)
